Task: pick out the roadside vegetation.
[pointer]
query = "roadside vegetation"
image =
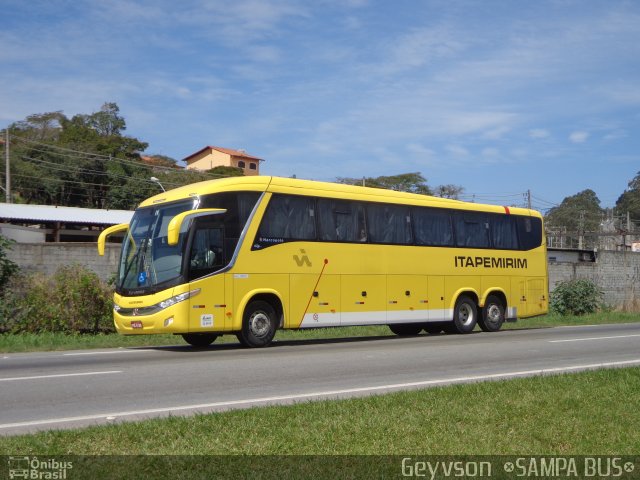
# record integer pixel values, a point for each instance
(72, 309)
(46, 341)
(596, 412)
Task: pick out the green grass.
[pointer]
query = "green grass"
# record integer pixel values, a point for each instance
(588, 413)
(600, 318)
(10, 343)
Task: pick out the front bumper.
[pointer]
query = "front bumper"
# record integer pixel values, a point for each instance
(163, 312)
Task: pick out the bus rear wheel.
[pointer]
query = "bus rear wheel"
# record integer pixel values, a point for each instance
(465, 315)
(405, 329)
(199, 339)
(259, 324)
(492, 315)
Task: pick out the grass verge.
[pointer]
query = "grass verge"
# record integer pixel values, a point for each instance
(27, 342)
(587, 413)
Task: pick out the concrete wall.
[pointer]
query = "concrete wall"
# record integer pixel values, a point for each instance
(617, 273)
(47, 257)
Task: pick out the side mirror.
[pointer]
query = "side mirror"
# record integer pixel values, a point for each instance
(175, 225)
(102, 239)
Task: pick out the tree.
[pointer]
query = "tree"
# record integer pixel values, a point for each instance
(629, 201)
(404, 182)
(224, 171)
(449, 191)
(82, 161)
(578, 213)
(107, 122)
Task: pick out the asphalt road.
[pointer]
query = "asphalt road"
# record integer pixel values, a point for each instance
(40, 391)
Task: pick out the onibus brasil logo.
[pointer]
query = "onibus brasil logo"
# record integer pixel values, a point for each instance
(38, 468)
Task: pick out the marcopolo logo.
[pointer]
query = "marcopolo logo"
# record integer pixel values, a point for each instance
(38, 469)
(302, 260)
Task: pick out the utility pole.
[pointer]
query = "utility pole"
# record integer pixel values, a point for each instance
(528, 199)
(581, 230)
(7, 169)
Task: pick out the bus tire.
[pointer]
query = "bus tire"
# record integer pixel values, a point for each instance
(492, 314)
(259, 323)
(199, 339)
(465, 315)
(405, 329)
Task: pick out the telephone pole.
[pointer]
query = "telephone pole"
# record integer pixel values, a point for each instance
(7, 169)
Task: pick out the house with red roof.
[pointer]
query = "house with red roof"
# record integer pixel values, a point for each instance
(210, 157)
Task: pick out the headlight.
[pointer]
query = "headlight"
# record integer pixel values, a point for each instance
(177, 299)
(158, 306)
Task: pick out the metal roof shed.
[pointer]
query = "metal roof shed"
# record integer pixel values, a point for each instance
(53, 219)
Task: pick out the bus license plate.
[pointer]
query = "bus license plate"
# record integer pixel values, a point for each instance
(136, 324)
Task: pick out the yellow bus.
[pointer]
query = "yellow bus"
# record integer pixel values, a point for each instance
(250, 255)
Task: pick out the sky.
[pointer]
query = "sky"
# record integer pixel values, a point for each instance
(498, 97)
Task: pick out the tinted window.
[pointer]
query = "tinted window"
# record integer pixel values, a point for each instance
(472, 230)
(207, 248)
(530, 232)
(503, 232)
(432, 227)
(341, 221)
(288, 217)
(389, 224)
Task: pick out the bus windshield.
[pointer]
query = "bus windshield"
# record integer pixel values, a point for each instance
(148, 263)
(147, 259)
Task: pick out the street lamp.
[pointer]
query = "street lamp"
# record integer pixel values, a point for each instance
(155, 180)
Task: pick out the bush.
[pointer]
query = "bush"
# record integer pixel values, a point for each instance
(7, 267)
(576, 297)
(73, 300)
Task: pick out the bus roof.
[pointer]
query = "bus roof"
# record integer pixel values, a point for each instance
(261, 183)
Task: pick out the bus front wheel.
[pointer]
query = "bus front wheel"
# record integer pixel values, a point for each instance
(199, 339)
(259, 324)
(492, 315)
(465, 315)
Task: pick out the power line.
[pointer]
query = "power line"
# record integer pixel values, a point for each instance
(101, 157)
(79, 182)
(69, 169)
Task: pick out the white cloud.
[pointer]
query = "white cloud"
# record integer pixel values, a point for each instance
(496, 133)
(579, 136)
(539, 133)
(413, 49)
(457, 151)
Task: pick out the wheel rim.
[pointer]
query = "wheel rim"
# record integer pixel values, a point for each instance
(259, 324)
(465, 314)
(494, 314)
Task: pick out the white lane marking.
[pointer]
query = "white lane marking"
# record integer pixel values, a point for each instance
(328, 393)
(59, 375)
(592, 338)
(108, 352)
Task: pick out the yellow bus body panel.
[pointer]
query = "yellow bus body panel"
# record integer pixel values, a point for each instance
(331, 284)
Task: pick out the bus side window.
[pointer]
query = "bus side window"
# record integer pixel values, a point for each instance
(472, 230)
(340, 221)
(503, 232)
(529, 232)
(432, 227)
(289, 217)
(389, 224)
(206, 251)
